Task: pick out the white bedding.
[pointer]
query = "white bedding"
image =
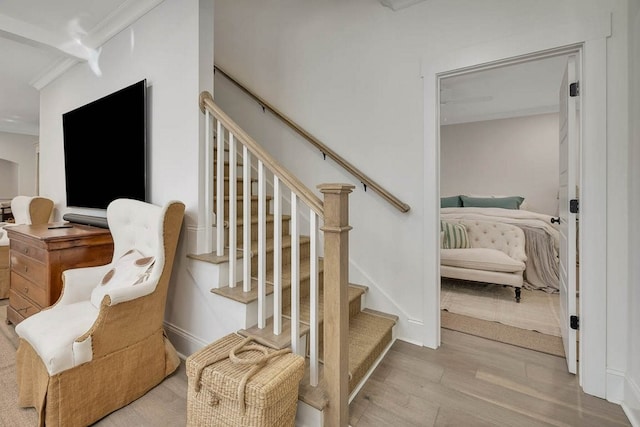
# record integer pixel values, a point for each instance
(542, 240)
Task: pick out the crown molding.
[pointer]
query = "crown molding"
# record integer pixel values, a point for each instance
(125, 15)
(52, 72)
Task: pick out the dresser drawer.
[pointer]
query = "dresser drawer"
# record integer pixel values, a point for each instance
(21, 305)
(29, 268)
(31, 290)
(19, 247)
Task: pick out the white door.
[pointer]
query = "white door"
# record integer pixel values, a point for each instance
(568, 154)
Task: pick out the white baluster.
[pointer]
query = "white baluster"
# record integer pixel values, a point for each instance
(277, 257)
(220, 191)
(208, 183)
(313, 298)
(246, 220)
(233, 199)
(262, 253)
(295, 277)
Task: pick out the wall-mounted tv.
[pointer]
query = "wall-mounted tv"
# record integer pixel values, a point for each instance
(105, 149)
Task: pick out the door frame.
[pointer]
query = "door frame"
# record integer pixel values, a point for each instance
(590, 40)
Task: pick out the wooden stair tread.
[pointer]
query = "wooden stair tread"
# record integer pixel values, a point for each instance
(212, 258)
(267, 337)
(236, 293)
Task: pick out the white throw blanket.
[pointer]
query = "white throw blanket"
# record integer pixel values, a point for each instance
(542, 240)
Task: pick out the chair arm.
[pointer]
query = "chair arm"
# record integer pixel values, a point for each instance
(79, 282)
(518, 253)
(128, 293)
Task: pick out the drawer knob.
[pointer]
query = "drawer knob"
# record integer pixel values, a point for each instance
(26, 269)
(26, 290)
(26, 250)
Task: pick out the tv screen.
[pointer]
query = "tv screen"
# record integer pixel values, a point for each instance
(105, 149)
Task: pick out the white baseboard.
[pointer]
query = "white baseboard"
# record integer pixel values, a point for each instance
(631, 403)
(308, 416)
(184, 342)
(615, 386)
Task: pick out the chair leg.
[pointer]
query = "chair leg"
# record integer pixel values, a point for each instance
(518, 294)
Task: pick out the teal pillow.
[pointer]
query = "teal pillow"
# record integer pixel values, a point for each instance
(451, 202)
(512, 202)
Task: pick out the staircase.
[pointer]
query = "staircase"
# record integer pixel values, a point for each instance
(370, 333)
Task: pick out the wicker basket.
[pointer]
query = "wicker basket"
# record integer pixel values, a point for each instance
(233, 382)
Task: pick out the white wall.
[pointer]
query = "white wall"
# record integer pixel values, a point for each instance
(632, 385)
(512, 157)
(350, 73)
(20, 150)
(8, 179)
(164, 46)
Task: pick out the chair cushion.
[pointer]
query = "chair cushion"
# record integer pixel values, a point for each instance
(481, 259)
(52, 333)
(129, 270)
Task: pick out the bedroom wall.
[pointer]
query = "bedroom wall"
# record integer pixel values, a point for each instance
(511, 157)
(632, 384)
(163, 46)
(21, 151)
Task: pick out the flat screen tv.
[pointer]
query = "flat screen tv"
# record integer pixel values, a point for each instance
(105, 147)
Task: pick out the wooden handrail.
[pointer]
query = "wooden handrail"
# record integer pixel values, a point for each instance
(364, 179)
(287, 178)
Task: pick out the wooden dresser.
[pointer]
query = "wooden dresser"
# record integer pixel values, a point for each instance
(38, 257)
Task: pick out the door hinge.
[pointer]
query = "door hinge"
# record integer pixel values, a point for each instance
(574, 206)
(574, 89)
(574, 322)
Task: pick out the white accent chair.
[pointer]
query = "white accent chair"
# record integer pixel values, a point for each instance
(102, 344)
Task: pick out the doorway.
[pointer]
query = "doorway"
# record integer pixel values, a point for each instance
(499, 131)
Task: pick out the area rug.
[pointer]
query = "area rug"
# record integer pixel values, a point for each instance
(10, 413)
(537, 311)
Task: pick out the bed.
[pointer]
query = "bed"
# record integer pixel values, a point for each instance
(541, 239)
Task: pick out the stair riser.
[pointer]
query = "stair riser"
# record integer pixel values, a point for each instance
(239, 187)
(304, 290)
(239, 170)
(254, 231)
(239, 207)
(286, 257)
(354, 308)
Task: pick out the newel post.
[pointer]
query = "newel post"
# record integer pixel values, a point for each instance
(336, 305)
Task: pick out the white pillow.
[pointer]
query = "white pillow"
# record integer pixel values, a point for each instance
(130, 269)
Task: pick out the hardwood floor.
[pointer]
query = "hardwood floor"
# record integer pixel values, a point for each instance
(471, 381)
(468, 381)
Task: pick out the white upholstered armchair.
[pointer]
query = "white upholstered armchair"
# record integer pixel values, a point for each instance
(102, 345)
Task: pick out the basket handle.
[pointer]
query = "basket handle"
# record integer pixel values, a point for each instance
(257, 364)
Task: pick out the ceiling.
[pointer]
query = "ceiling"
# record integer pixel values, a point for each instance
(509, 91)
(41, 39)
